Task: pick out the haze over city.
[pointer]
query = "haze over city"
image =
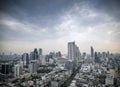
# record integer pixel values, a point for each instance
(51, 24)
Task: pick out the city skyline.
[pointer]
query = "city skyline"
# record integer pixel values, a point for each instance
(50, 25)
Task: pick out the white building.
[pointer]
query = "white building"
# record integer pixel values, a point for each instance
(33, 66)
(25, 59)
(109, 80)
(17, 70)
(42, 59)
(21, 63)
(73, 52)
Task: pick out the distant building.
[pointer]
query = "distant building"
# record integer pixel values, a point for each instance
(58, 54)
(6, 68)
(73, 52)
(104, 55)
(78, 54)
(43, 60)
(97, 58)
(40, 51)
(52, 55)
(25, 58)
(47, 58)
(84, 55)
(108, 54)
(92, 52)
(99, 55)
(33, 66)
(17, 70)
(35, 54)
(70, 65)
(31, 55)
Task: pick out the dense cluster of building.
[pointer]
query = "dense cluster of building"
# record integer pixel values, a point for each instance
(97, 69)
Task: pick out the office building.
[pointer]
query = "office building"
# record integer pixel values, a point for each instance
(25, 58)
(73, 52)
(31, 55)
(6, 68)
(40, 51)
(33, 66)
(17, 70)
(35, 55)
(70, 65)
(92, 52)
(58, 54)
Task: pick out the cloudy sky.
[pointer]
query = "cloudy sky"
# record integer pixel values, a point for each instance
(51, 24)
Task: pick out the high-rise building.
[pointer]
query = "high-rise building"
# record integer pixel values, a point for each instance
(33, 66)
(73, 51)
(17, 70)
(108, 54)
(97, 59)
(78, 54)
(92, 52)
(25, 59)
(6, 68)
(31, 55)
(40, 51)
(84, 55)
(35, 54)
(58, 54)
(103, 54)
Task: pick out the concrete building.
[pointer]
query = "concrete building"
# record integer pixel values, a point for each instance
(40, 51)
(17, 70)
(109, 80)
(6, 68)
(33, 66)
(25, 58)
(70, 65)
(73, 52)
(92, 52)
(35, 55)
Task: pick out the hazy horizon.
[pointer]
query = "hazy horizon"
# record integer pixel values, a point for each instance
(51, 24)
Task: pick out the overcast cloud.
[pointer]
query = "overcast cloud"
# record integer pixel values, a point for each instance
(51, 24)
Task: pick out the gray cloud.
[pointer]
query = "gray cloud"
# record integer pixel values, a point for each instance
(60, 21)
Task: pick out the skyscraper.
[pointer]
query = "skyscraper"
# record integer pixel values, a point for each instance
(40, 51)
(78, 54)
(17, 70)
(92, 52)
(35, 54)
(97, 59)
(25, 59)
(6, 68)
(33, 66)
(31, 55)
(73, 51)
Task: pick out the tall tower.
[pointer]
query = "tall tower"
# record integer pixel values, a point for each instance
(33, 66)
(35, 54)
(25, 59)
(92, 52)
(17, 70)
(40, 51)
(71, 50)
(74, 52)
